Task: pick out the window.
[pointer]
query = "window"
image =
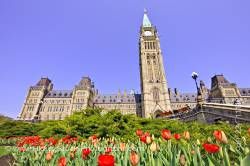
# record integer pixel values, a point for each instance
(156, 97)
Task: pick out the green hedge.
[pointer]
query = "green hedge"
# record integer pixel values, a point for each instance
(112, 124)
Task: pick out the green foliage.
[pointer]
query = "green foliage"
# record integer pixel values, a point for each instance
(17, 128)
(113, 124)
(3, 151)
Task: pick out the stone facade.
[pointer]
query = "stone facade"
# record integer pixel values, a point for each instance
(44, 103)
(222, 91)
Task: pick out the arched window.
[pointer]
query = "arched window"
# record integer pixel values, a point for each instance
(156, 97)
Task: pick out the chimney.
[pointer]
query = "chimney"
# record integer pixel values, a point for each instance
(176, 91)
(169, 91)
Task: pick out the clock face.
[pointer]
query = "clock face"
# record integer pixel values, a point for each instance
(148, 33)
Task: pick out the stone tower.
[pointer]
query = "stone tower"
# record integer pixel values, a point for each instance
(34, 99)
(155, 96)
(82, 95)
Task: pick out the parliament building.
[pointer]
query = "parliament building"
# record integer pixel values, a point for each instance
(45, 103)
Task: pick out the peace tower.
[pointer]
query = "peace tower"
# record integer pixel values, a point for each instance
(154, 88)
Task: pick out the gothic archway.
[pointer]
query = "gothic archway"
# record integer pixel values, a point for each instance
(158, 114)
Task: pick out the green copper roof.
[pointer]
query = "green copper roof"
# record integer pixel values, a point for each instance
(146, 22)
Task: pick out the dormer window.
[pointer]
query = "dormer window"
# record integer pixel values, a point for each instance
(65, 94)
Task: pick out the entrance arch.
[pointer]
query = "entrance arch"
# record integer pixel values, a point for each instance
(158, 114)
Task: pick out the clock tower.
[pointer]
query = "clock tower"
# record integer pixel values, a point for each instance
(154, 88)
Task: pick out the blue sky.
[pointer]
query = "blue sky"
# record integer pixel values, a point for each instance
(66, 40)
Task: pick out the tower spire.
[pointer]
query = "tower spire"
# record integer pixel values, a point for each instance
(146, 22)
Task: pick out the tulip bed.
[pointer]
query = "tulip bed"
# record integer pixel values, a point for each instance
(168, 149)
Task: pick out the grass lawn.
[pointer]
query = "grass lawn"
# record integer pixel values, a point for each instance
(3, 151)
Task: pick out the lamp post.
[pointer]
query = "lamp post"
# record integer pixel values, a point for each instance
(195, 76)
(201, 117)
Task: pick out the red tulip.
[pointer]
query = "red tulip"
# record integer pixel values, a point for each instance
(139, 132)
(51, 141)
(49, 156)
(85, 153)
(211, 148)
(177, 136)
(30, 140)
(93, 137)
(220, 136)
(147, 133)
(108, 150)
(248, 131)
(106, 160)
(143, 138)
(166, 134)
(146, 138)
(21, 149)
(62, 161)
(134, 158)
(69, 139)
